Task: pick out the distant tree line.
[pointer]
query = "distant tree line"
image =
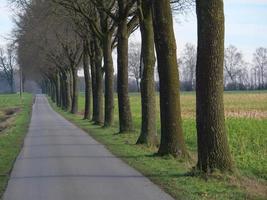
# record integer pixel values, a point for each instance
(238, 74)
(55, 38)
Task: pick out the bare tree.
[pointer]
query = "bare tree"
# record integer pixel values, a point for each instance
(233, 66)
(134, 63)
(260, 64)
(188, 63)
(7, 65)
(182, 6)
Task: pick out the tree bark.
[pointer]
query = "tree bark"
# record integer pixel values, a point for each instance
(125, 115)
(213, 149)
(62, 90)
(58, 90)
(93, 78)
(109, 81)
(87, 106)
(53, 90)
(75, 90)
(99, 114)
(68, 90)
(172, 139)
(148, 129)
(12, 81)
(71, 84)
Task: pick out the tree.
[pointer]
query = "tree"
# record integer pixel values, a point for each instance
(125, 27)
(49, 46)
(148, 133)
(260, 63)
(94, 15)
(172, 139)
(188, 61)
(72, 47)
(134, 63)
(87, 79)
(213, 148)
(7, 65)
(233, 64)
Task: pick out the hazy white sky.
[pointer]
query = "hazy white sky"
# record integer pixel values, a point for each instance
(246, 25)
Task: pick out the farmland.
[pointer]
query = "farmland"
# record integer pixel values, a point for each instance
(14, 120)
(246, 121)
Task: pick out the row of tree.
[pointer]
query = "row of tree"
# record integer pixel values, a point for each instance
(57, 37)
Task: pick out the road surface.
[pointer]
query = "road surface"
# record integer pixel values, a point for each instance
(61, 162)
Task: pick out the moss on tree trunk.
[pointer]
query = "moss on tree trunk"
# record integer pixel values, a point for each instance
(125, 115)
(213, 149)
(58, 90)
(148, 133)
(109, 80)
(172, 139)
(87, 81)
(93, 77)
(99, 111)
(75, 91)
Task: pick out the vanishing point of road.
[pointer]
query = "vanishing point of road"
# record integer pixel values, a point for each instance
(61, 162)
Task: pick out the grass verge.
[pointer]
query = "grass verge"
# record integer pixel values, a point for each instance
(11, 138)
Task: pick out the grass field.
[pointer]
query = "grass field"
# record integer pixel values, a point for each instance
(246, 121)
(14, 118)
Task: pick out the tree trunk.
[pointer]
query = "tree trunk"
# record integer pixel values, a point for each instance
(23, 82)
(58, 90)
(63, 91)
(109, 81)
(125, 115)
(137, 83)
(20, 82)
(12, 81)
(75, 90)
(172, 139)
(53, 90)
(87, 106)
(148, 130)
(213, 149)
(93, 77)
(262, 77)
(99, 115)
(68, 91)
(71, 84)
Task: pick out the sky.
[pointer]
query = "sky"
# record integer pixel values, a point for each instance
(6, 23)
(245, 24)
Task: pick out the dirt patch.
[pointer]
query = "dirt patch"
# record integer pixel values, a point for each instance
(255, 188)
(254, 114)
(6, 117)
(11, 111)
(250, 114)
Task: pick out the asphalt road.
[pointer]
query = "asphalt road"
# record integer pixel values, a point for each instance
(61, 162)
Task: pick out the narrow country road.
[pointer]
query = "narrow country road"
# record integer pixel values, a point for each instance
(61, 162)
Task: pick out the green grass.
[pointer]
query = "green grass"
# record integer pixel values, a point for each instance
(11, 139)
(247, 137)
